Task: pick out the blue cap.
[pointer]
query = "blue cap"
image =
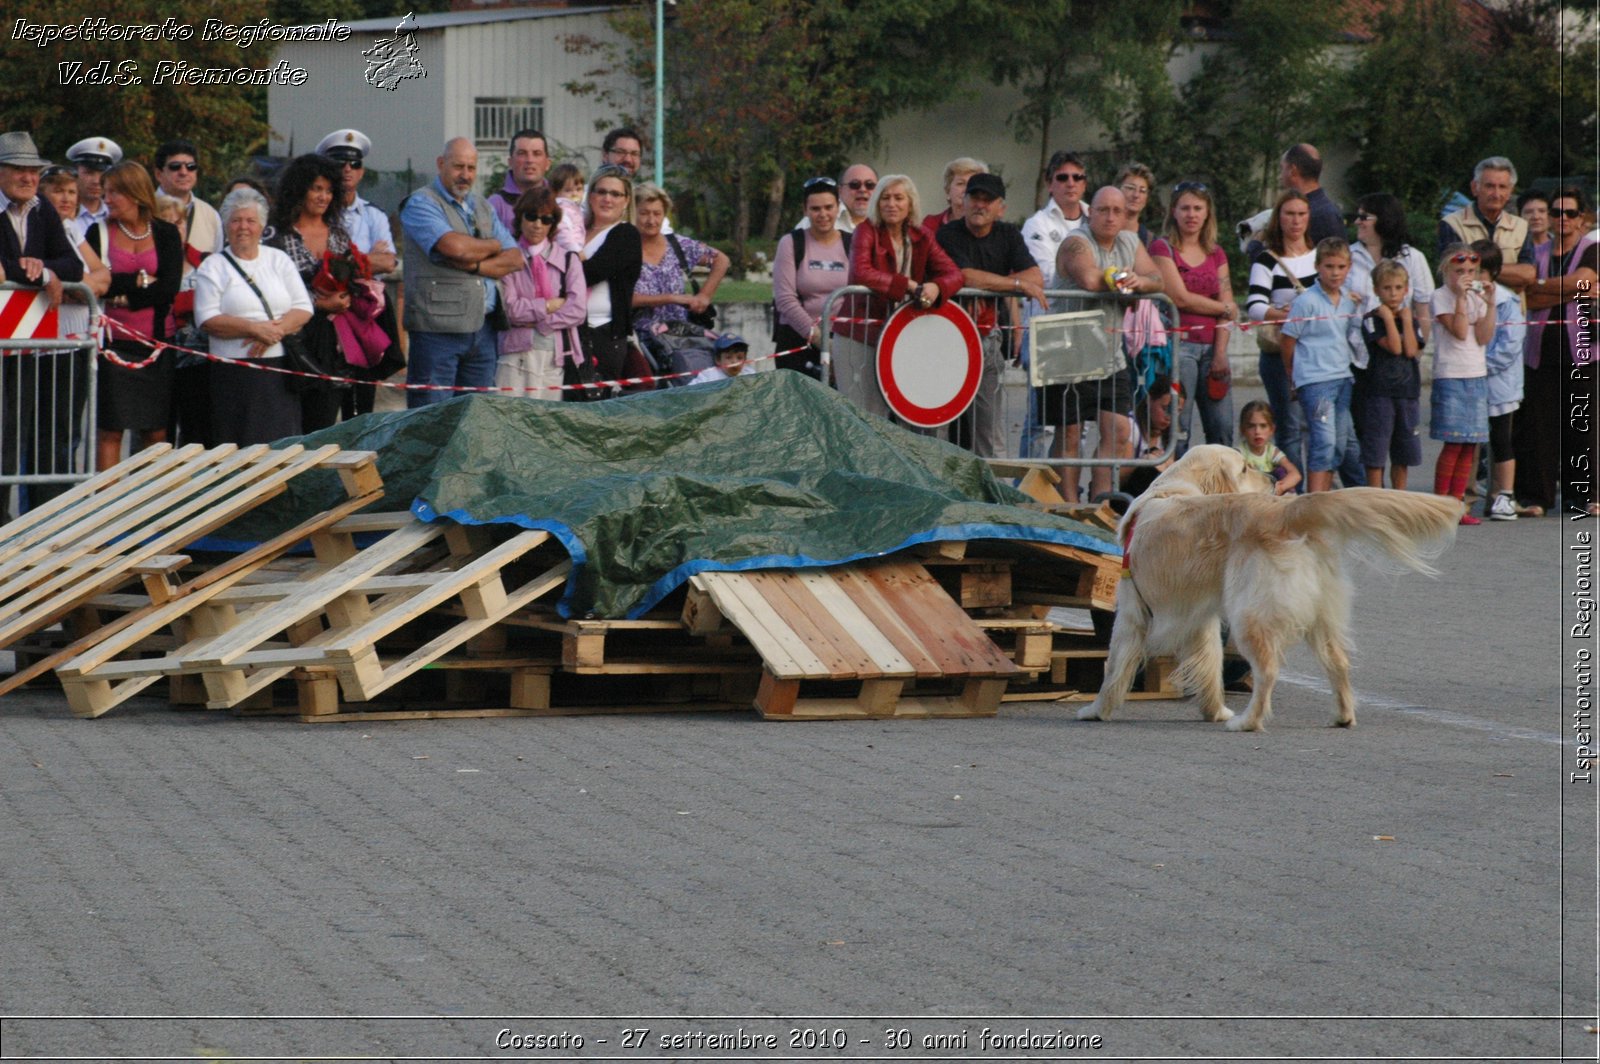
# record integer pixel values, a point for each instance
(728, 341)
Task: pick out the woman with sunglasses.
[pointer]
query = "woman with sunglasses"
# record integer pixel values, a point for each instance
(1381, 233)
(807, 266)
(1566, 270)
(545, 301)
(1194, 270)
(1136, 180)
(892, 255)
(146, 261)
(612, 260)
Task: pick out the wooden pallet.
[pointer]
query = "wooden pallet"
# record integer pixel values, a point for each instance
(114, 528)
(240, 639)
(879, 626)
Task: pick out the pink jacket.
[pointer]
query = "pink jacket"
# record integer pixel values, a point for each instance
(526, 312)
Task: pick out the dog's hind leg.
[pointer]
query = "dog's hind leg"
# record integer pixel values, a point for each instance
(1201, 670)
(1333, 650)
(1128, 637)
(1263, 649)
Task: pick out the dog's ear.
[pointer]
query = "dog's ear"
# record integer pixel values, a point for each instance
(1218, 477)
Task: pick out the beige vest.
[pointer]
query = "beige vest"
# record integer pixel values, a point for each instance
(1510, 231)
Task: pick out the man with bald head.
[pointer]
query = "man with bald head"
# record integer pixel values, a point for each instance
(1108, 258)
(455, 249)
(1300, 169)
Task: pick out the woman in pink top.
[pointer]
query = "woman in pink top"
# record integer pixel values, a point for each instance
(146, 261)
(1194, 269)
(804, 276)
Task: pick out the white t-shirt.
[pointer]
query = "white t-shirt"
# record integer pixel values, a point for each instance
(1452, 357)
(717, 373)
(600, 294)
(218, 289)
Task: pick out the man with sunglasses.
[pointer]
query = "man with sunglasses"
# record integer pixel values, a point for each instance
(1486, 218)
(177, 170)
(367, 226)
(92, 156)
(1063, 215)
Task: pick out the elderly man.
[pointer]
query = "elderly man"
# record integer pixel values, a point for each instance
(1300, 169)
(528, 162)
(92, 156)
(993, 257)
(455, 250)
(177, 169)
(1106, 258)
(367, 226)
(1063, 215)
(1486, 218)
(36, 251)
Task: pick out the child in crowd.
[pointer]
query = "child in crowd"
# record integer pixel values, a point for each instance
(1392, 385)
(1260, 452)
(1503, 357)
(1316, 344)
(732, 353)
(1463, 325)
(566, 180)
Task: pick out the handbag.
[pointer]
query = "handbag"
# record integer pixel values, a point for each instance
(1269, 334)
(297, 354)
(706, 319)
(1219, 374)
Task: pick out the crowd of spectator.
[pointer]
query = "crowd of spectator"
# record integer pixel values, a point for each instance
(555, 283)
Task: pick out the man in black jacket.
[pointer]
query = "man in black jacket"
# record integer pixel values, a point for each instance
(34, 252)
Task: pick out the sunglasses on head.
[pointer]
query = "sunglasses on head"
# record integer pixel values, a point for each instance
(1189, 186)
(56, 171)
(1464, 256)
(1565, 212)
(858, 184)
(175, 166)
(1068, 178)
(542, 219)
(820, 182)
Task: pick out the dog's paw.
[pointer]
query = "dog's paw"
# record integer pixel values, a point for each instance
(1223, 714)
(1090, 712)
(1339, 722)
(1242, 724)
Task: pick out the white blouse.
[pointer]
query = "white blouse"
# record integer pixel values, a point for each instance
(218, 289)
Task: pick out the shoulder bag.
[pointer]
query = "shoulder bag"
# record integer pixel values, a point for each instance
(1269, 334)
(706, 319)
(296, 353)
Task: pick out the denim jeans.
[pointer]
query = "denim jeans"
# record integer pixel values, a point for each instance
(1216, 416)
(450, 360)
(1329, 430)
(1291, 426)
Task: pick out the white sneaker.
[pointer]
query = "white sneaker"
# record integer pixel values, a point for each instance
(1503, 508)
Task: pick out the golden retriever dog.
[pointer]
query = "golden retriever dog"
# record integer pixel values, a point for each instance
(1208, 543)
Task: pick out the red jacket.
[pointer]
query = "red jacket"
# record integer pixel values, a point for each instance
(872, 265)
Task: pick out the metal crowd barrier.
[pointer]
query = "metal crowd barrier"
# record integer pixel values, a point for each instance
(1068, 353)
(47, 404)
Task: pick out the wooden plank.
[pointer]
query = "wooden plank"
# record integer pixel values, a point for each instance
(1040, 483)
(700, 613)
(881, 649)
(844, 657)
(939, 624)
(785, 653)
(131, 629)
(870, 601)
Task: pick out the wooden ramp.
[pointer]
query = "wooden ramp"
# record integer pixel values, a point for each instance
(327, 623)
(127, 523)
(874, 627)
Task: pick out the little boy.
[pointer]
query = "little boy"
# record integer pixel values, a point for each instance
(1390, 402)
(1504, 358)
(1316, 344)
(731, 354)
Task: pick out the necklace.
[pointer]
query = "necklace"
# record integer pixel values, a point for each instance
(131, 235)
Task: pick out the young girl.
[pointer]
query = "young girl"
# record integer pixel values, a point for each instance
(567, 181)
(1390, 393)
(1316, 346)
(1504, 360)
(1463, 325)
(1260, 453)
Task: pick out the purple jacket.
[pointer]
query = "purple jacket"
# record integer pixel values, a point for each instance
(1536, 319)
(526, 312)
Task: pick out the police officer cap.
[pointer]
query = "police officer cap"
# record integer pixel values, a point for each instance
(98, 153)
(349, 144)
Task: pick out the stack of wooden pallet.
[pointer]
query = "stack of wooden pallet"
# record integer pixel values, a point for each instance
(390, 617)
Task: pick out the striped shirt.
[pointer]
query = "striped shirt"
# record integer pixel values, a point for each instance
(1270, 285)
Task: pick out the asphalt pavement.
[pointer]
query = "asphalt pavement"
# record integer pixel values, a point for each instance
(686, 886)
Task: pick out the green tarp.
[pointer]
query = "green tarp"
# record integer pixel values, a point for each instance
(770, 470)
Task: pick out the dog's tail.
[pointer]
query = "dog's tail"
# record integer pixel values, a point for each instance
(1407, 526)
